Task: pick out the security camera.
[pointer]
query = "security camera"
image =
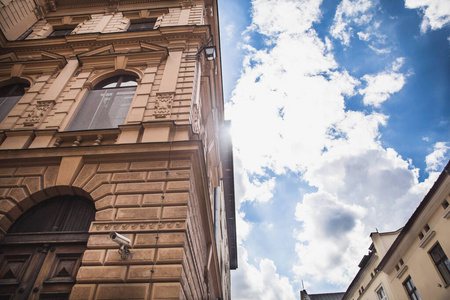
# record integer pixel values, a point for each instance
(119, 239)
(123, 242)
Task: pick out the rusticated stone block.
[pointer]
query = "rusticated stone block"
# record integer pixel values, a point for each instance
(148, 165)
(85, 174)
(102, 191)
(93, 257)
(10, 181)
(7, 172)
(166, 239)
(105, 202)
(4, 223)
(140, 256)
(82, 292)
(50, 176)
(172, 174)
(150, 187)
(178, 186)
(27, 171)
(128, 200)
(10, 209)
(160, 273)
(101, 274)
(169, 255)
(169, 198)
(180, 164)
(97, 241)
(129, 291)
(19, 195)
(174, 212)
(141, 213)
(106, 214)
(3, 192)
(129, 177)
(96, 181)
(166, 290)
(113, 167)
(33, 184)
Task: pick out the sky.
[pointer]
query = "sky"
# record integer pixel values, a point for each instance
(340, 124)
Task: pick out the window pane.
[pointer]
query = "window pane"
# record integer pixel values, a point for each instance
(6, 104)
(444, 272)
(106, 108)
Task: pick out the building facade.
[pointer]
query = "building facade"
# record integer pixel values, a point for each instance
(112, 124)
(412, 262)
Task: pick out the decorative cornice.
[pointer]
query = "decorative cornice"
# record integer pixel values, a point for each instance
(143, 226)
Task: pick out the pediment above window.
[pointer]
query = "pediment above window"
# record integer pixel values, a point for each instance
(14, 66)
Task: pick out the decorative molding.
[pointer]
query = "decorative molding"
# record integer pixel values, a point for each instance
(195, 119)
(401, 271)
(163, 105)
(186, 4)
(427, 238)
(38, 113)
(113, 6)
(144, 226)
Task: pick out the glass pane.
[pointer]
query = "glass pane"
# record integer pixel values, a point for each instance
(444, 272)
(6, 104)
(103, 109)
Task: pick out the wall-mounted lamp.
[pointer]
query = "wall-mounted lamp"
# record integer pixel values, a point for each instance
(210, 52)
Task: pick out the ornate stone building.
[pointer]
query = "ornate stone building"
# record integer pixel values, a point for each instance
(112, 120)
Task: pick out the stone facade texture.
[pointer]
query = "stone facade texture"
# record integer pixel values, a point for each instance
(158, 178)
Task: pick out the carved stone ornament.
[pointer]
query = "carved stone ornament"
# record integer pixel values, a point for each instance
(185, 4)
(163, 105)
(195, 120)
(51, 5)
(113, 6)
(38, 113)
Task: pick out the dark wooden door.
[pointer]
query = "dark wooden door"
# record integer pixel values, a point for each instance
(41, 254)
(39, 271)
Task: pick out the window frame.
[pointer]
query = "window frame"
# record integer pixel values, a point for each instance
(10, 93)
(413, 291)
(103, 85)
(142, 21)
(440, 261)
(378, 290)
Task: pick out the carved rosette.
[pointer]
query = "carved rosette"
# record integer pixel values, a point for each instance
(38, 113)
(163, 106)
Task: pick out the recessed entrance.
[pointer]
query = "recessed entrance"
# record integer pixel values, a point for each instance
(41, 253)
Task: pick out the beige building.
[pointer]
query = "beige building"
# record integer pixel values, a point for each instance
(116, 166)
(412, 262)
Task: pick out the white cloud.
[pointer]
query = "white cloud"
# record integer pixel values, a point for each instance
(350, 13)
(436, 159)
(288, 114)
(436, 13)
(249, 282)
(381, 86)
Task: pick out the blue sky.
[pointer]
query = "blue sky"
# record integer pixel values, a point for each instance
(340, 113)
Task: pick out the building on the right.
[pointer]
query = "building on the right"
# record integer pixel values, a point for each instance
(412, 262)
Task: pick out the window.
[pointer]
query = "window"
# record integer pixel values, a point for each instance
(60, 32)
(142, 26)
(411, 289)
(441, 261)
(9, 96)
(106, 106)
(381, 294)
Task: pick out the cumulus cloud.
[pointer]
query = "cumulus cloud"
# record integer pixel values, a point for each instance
(350, 13)
(289, 114)
(381, 86)
(436, 13)
(436, 159)
(262, 282)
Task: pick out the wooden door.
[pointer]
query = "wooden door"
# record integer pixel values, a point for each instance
(41, 254)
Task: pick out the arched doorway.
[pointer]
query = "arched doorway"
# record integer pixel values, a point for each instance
(41, 253)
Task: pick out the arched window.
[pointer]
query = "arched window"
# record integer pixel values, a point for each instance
(9, 96)
(106, 106)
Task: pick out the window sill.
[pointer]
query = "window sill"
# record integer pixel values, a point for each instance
(427, 238)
